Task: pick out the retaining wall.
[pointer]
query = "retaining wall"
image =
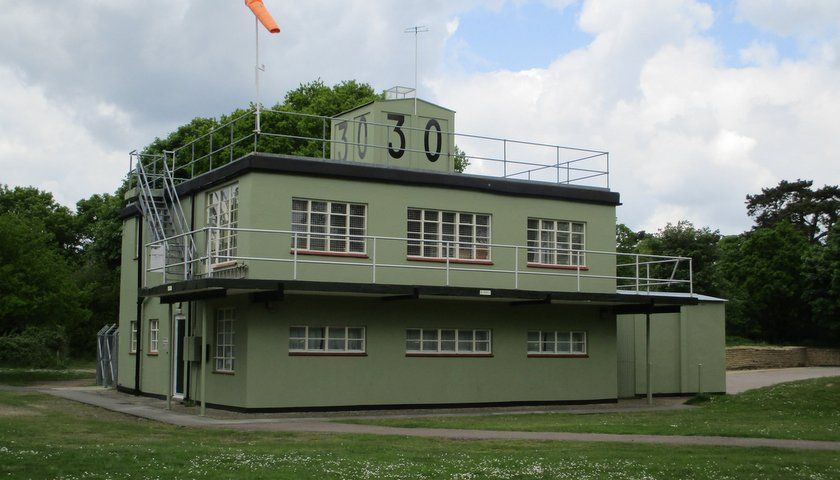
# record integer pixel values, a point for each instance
(743, 358)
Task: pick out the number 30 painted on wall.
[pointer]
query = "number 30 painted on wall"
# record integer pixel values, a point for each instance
(400, 151)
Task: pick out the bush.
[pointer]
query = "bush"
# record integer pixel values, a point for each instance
(34, 348)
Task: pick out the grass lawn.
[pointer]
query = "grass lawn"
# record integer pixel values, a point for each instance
(49, 438)
(808, 409)
(28, 376)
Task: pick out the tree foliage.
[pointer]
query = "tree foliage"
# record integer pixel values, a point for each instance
(813, 212)
(213, 142)
(38, 287)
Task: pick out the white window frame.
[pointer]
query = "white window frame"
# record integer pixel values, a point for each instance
(132, 337)
(310, 341)
(555, 242)
(430, 231)
(154, 335)
(223, 212)
(335, 238)
(225, 340)
(437, 341)
(550, 342)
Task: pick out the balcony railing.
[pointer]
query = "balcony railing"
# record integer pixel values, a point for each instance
(310, 136)
(271, 254)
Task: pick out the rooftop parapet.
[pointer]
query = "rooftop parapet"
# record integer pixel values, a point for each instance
(413, 142)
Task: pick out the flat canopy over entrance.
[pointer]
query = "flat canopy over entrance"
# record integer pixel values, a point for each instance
(266, 290)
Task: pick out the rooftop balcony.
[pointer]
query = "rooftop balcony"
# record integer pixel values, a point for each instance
(248, 253)
(320, 138)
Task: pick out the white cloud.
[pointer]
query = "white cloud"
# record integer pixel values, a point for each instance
(84, 82)
(689, 136)
(791, 17)
(759, 54)
(42, 143)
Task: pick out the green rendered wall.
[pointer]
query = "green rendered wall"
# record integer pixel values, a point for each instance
(680, 341)
(367, 135)
(265, 202)
(266, 376)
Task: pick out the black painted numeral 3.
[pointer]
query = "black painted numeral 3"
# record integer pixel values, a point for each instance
(343, 127)
(399, 152)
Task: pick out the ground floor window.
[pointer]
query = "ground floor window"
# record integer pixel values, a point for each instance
(154, 334)
(132, 338)
(556, 343)
(305, 339)
(225, 350)
(447, 341)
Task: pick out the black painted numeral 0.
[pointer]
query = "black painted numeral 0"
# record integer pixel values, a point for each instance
(362, 145)
(343, 128)
(432, 123)
(399, 152)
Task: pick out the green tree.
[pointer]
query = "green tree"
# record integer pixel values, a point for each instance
(38, 287)
(460, 160)
(98, 272)
(813, 212)
(760, 272)
(58, 220)
(822, 286)
(683, 239)
(232, 134)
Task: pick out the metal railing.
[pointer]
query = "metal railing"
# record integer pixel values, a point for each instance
(509, 266)
(310, 135)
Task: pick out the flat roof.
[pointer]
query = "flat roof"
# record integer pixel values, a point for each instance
(206, 288)
(277, 163)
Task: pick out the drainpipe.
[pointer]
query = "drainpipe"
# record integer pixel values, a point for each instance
(647, 360)
(203, 358)
(139, 323)
(191, 305)
(172, 359)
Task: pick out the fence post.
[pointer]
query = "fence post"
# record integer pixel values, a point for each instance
(637, 271)
(447, 264)
(557, 167)
(516, 267)
(295, 253)
(504, 157)
(699, 379)
(231, 142)
(690, 277)
(374, 259)
(324, 138)
(577, 263)
(209, 239)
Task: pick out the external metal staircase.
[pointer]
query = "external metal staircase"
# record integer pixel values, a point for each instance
(161, 207)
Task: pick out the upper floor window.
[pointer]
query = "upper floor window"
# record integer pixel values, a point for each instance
(447, 341)
(455, 235)
(305, 339)
(222, 212)
(556, 242)
(556, 343)
(225, 336)
(154, 335)
(324, 226)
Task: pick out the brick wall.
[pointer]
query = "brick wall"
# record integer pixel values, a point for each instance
(742, 358)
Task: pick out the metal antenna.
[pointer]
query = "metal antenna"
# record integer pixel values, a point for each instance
(416, 30)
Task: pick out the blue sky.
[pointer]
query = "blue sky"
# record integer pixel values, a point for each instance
(699, 102)
(532, 34)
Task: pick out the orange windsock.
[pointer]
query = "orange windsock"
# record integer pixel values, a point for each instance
(263, 16)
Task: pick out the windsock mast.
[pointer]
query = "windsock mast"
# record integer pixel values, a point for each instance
(261, 15)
